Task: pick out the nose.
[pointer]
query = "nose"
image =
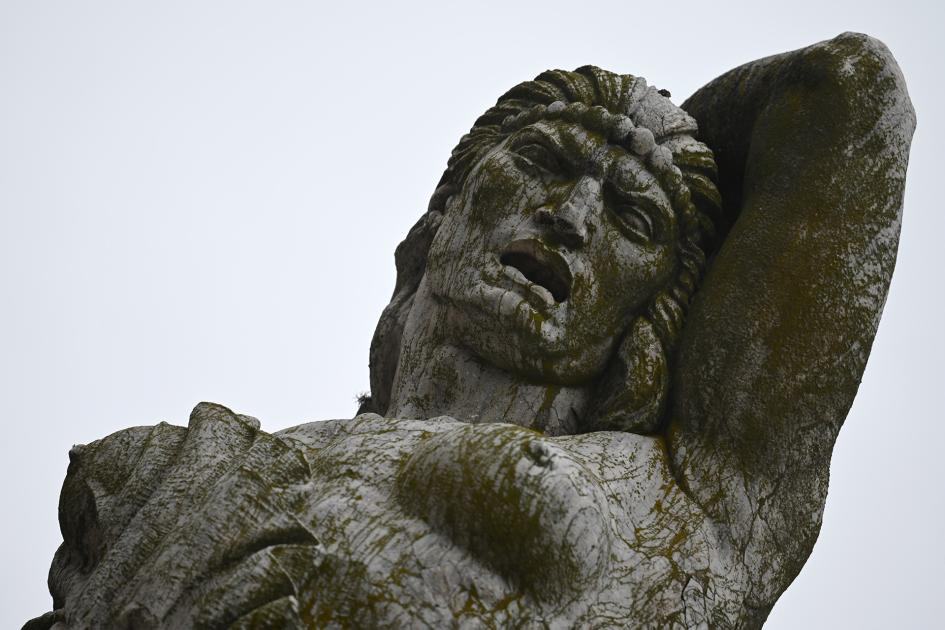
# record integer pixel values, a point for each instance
(566, 221)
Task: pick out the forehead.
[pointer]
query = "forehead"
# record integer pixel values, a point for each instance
(587, 151)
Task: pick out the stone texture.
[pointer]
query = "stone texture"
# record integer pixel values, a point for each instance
(602, 437)
(379, 522)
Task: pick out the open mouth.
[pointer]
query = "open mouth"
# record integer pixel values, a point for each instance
(540, 265)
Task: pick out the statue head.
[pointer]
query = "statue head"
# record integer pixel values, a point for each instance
(565, 240)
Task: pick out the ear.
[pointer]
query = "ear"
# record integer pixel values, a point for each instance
(631, 394)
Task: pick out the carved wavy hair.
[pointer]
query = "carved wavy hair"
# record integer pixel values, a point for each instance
(696, 212)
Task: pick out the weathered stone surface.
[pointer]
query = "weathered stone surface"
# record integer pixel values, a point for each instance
(377, 521)
(600, 436)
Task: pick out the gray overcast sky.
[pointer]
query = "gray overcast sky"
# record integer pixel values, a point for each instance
(200, 201)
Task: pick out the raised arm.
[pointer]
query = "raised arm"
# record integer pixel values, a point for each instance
(812, 148)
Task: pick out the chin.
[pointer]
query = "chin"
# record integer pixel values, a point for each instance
(526, 342)
(566, 371)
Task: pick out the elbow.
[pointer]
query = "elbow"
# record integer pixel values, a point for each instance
(860, 76)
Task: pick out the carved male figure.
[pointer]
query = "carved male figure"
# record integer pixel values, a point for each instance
(605, 392)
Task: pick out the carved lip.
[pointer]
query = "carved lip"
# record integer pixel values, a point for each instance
(540, 265)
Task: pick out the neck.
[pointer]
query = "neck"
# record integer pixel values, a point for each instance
(438, 377)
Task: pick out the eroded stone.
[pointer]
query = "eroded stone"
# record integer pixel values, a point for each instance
(600, 436)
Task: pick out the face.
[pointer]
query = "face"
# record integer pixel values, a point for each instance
(554, 244)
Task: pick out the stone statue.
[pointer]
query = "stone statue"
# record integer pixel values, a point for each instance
(605, 392)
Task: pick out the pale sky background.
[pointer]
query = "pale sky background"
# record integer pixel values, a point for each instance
(200, 201)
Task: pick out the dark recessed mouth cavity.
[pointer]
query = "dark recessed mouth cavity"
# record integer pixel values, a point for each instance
(541, 266)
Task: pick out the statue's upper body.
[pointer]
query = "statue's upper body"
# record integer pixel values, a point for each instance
(574, 419)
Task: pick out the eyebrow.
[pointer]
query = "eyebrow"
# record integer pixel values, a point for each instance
(555, 139)
(649, 197)
(558, 141)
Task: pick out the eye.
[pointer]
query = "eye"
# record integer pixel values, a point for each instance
(540, 156)
(638, 221)
(636, 218)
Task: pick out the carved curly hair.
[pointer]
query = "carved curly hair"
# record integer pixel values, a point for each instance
(697, 211)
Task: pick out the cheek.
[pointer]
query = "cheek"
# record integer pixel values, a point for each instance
(493, 199)
(497, 191)
(630, 274)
